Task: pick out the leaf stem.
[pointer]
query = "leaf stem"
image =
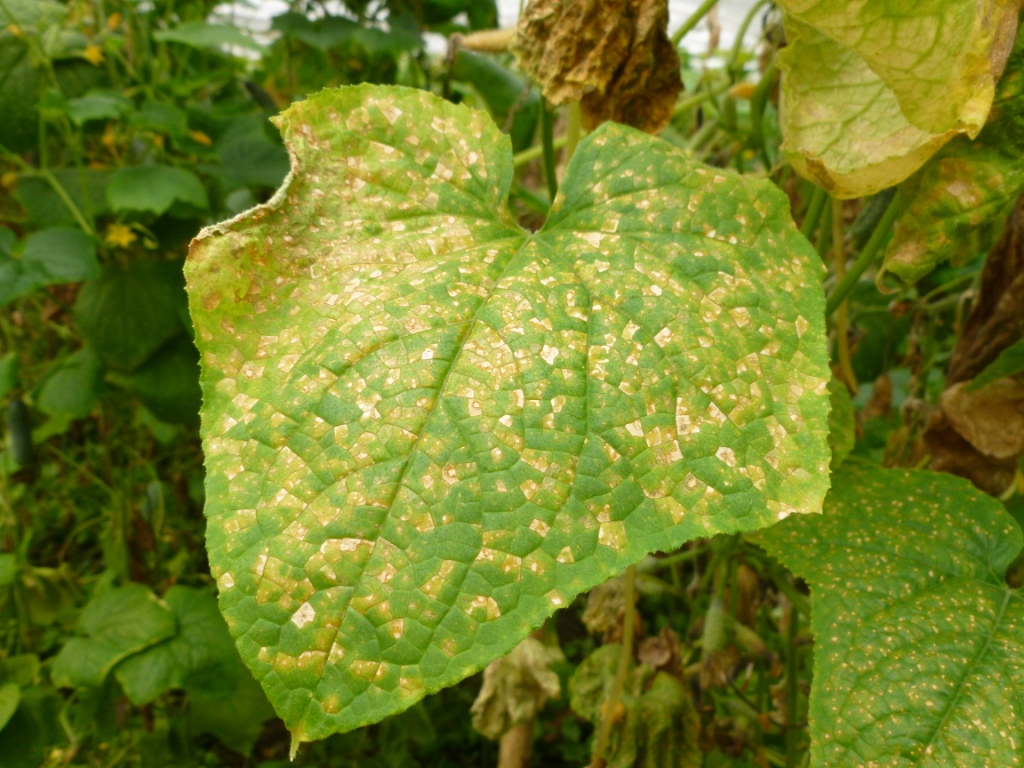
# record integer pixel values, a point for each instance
(703, 10)
(530, 154)
(741, 33)
(573, 130)
(864, 259)
(842, 318)
(814, 209)
(625, 662)
(547, 129)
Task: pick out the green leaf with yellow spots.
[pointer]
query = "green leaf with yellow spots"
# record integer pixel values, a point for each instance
(955, 205)
(427, 428)
(918, 640)
(868, 94)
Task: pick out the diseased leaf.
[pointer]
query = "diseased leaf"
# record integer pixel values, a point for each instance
(1009, 363)
(940, 59)
(913, 621)
(658, 726)
(966, 186)
(869, 95)
(613, 56)
(426, 429)
(842, 124)
(516, 687)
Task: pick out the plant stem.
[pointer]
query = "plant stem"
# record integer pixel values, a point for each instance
(573, 130)
(625, 663)
(792, 688)
(757, 106)
(842, 318)
(814, 209)
(530, 154)
(547, 129)
(703, 10)
(864, 259)
(741, 33)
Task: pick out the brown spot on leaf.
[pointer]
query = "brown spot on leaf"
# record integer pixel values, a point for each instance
(614, 56)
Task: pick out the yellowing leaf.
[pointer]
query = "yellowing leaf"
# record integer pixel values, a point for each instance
(940, 59)
(954, 203)
(869, 95)
(426, 429)
(842, 125)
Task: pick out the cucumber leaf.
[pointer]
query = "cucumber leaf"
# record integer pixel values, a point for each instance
(426, 428)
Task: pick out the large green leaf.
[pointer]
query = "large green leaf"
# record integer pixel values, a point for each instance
(967, 185)
(869, 95)
(918, 639)
(426, 429)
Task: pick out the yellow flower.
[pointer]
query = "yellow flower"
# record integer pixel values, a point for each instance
(744, 91)
(119, 236)
(113, 21)
(15, 30)
(200, 138)
(93, 54)
(8, 180)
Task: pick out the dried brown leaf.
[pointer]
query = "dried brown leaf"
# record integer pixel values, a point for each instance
(613, 56)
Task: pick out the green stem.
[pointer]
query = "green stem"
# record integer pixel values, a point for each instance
(693, 21)
(680, 557)
(625, 663)
(573, 130)
(757, 106)
(702, 135)
(842, 319)
(699, 98)
(547, 129)
(814, 209)
(58, 188)
(864, 259)
(741, 33)
(530, 154)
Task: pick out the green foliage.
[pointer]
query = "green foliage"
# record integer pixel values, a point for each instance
(913, 619)
(484, 422)
(126, 127)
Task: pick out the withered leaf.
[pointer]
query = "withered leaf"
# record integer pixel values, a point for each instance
(515, 688)
(613, 56)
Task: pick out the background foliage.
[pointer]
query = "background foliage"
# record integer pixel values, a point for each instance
(125, 127)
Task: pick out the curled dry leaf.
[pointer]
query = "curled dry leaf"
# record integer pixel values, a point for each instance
(515, 688)
(980, 434)
(606, 605)
(613, 56)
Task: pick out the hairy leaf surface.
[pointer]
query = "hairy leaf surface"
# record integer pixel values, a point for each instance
(426, 428)
(913, 622)
(869, 95)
